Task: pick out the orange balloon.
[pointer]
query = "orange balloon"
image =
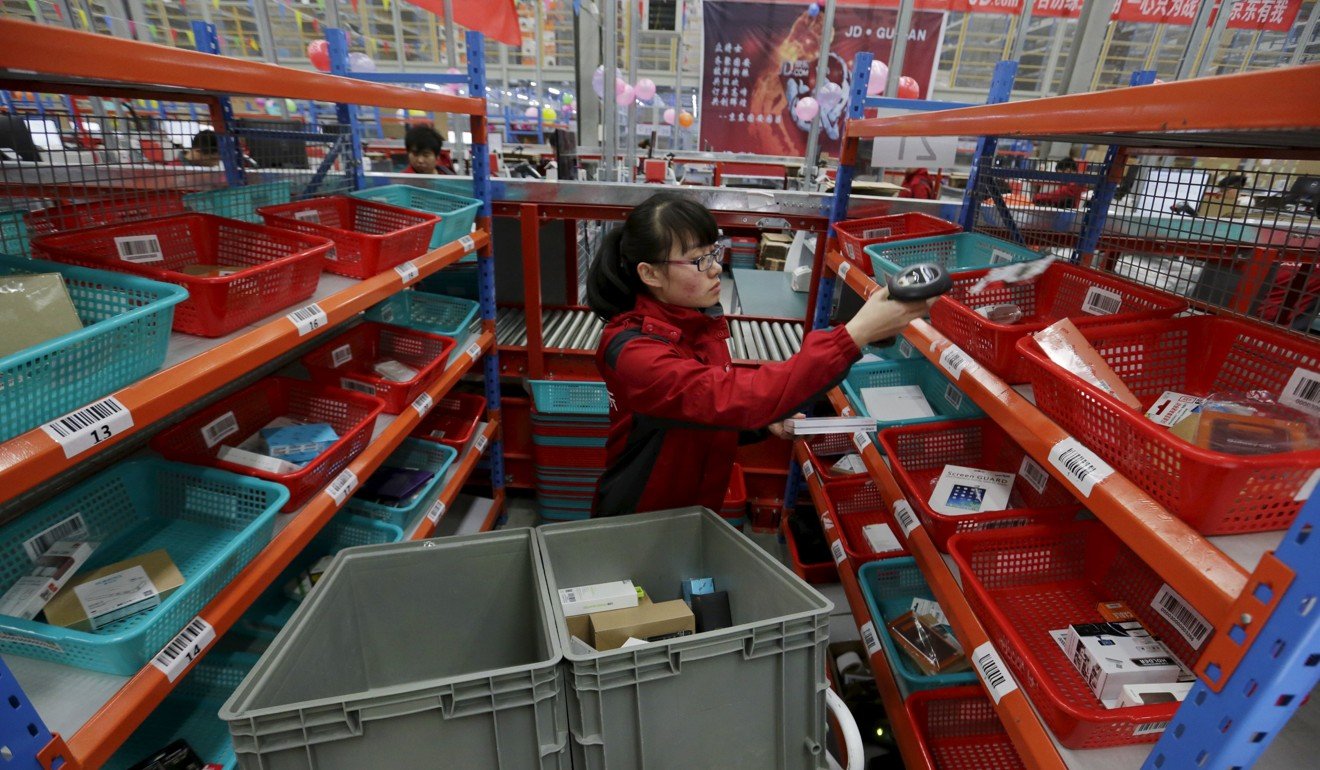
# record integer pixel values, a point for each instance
(685, 119)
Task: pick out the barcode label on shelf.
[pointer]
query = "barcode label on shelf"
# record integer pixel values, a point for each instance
(869, 638)
(904, 347)
(1150, 728)
(474, 351)
(876, 232)
(1185, 620)
(80, 430)
(1000, 257)
(847, 411)
(861, 440)
(836, 548)
(906, 518)
(1302, 391)
(1032, 472)
(1080, 465)
(423, 404)
(1101, 301)
(219, 429)
(360, 387)
(1308, 488)
(139, 249)
(955, 360)
(953, 396)
(843, 270)
(341, 355)
(480, 444)
(436, 510)
(310, 215)
(71, 528)
(308, 319)
(342, 486)
(826, 522)
(182, 649)
(467, 243)
(807, 470)
(407, 272)
(993, 672)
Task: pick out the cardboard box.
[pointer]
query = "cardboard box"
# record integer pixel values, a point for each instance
(774, 248)
(1065, 346)
(1110, 656)
(651, 622)
(584, 600)
(115, 591)
(1115, 612)
(50, 572)
(34, 308)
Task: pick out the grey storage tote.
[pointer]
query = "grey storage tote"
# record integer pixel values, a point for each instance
(424, 655)
(748, 696)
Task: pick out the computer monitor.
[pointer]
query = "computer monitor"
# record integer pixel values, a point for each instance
(16, 139)
(273, 151)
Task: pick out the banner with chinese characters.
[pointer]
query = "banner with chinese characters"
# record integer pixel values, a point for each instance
(1268, 15)
(760, 59)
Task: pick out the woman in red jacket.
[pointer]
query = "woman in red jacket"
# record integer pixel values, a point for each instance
(677, 406)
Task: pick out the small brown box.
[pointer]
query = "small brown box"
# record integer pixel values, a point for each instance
(67, 610)
(609, 630)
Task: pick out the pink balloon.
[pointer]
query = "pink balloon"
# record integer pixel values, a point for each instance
(879, 77)
(619, 85)
(908, 88)
(645, 89)
(530, 112)
(626, 98)
(449, 90)
(806, 108)
(669, 116)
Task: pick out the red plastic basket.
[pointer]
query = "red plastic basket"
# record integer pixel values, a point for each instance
(369, 236)
(958, 729)
(112, 211)
(352, 415)
(812, 572)
(1062, 291)
(271, 269)
(1214, 492)
(856, 234)
(346, 362)
(918, 454)
(854, 504)
(1023, 583)
(824, 451)
(734, 508)
(453, 420)
(568, 457)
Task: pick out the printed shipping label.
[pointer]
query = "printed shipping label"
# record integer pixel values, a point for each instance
(219, 429)
(906, 518)
(175, 657)
(1302, 392)
(1101, 301)
(955, 360)
(1032, 472)
(1185, 620)
(993, 672)
(1079, 465)
(436, 510)
(80, 430)
(139, 249)
(861, 440)
(360, 387)
(342, 486)
(341, 355)
(836, 548)
(422, 404)
(1150, 728)
(115, 596)
(72, 528)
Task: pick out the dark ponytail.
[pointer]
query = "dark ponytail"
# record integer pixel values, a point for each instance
(649, 234)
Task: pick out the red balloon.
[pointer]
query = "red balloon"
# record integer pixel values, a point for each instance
(318, 53)
(908, 88)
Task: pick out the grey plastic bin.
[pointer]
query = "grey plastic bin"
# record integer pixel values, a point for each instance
(748, 696)
(433, 654)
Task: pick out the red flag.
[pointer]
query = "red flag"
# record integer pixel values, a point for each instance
(496, 19)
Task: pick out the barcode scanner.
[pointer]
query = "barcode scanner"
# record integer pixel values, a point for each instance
(917, 283)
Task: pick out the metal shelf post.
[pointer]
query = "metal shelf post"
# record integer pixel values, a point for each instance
(231, 157)
(1001, 87)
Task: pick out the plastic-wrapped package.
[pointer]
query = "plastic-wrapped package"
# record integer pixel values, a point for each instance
(1066, 346)
(1250, 423)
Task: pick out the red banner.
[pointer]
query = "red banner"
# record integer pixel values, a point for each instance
(1268, 15)
(760, 59)
(1010, 7)
(1060, 9)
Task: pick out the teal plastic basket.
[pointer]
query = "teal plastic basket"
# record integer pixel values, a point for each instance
(889, 586)
(191, 712)
(955, 253)
(271, 611)
(570, 397)
(240, 202)
(457, 212)
(570, 441)
(14, 232)
(412, 453)
(210, 522)
(448, 316)
(945, 399)
(125, 334)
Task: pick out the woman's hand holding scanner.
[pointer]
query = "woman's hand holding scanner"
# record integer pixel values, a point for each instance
(881, 318)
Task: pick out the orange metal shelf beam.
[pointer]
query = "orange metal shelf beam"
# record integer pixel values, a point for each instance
(33, 457)
(64, 54)
(1202, 573)
(109, 727)
(1230, 102)
(899, 719)
(466, 464)
(1029, 736)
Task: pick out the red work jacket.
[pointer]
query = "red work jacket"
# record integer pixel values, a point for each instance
(677, 405)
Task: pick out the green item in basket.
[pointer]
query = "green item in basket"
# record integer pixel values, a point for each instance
(34, 308)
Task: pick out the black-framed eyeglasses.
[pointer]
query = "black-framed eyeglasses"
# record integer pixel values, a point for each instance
(704, 262)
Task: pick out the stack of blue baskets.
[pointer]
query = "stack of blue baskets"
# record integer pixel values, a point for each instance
(570, 424)
(742, 253)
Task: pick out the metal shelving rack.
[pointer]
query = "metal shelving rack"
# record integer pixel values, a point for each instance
(1257, 589)
(94, 713)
